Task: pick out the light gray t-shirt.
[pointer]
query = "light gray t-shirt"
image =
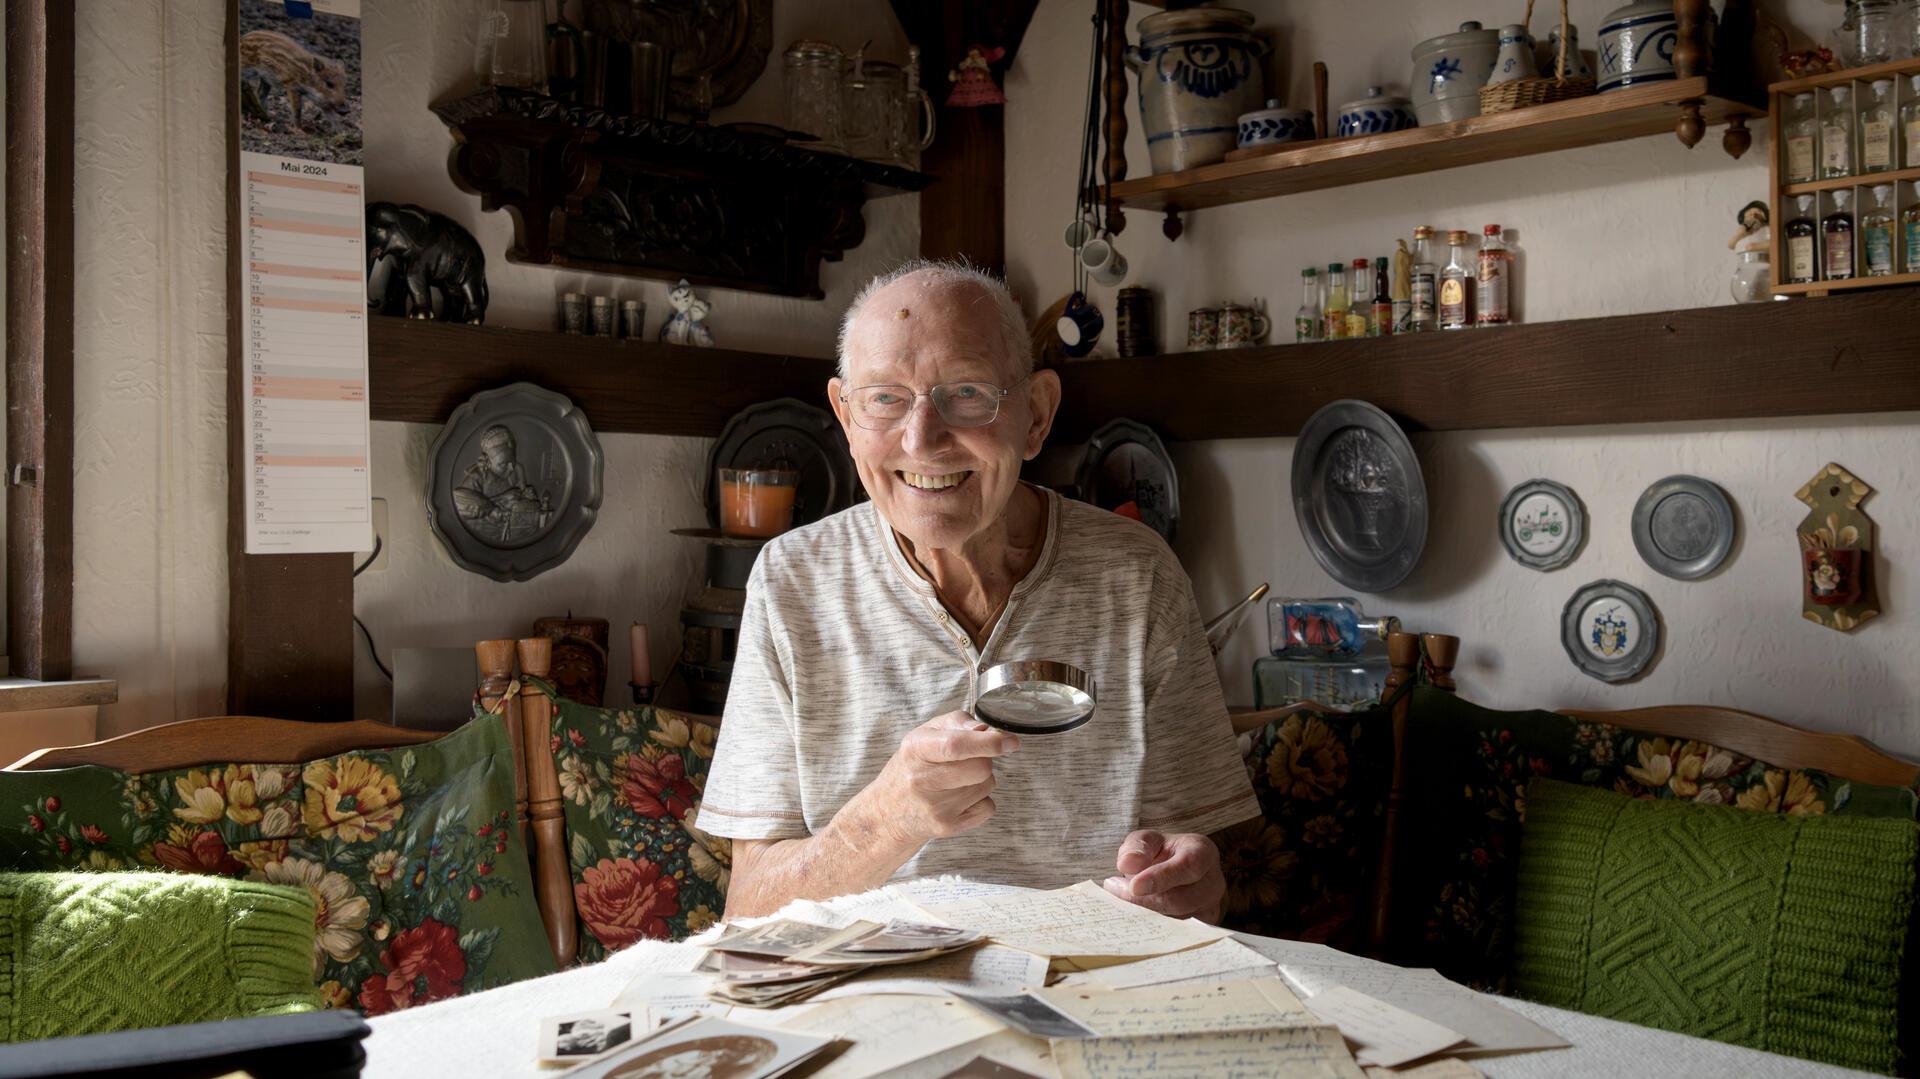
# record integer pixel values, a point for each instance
(844, 649)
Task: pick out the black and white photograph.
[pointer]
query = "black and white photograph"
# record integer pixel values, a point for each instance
(912, 937)
(785, 938)
(568, 1039)
(1030, 1015)
(705, 1048)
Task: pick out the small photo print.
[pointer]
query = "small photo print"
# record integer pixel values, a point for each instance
(569, 1039)
(711, 1048)
(912, 937)
(1029, 1015)
(300, 79)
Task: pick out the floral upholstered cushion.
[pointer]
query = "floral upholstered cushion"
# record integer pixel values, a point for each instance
(1304, 868)
(1467, 774)
(631, 780)
(418, 876)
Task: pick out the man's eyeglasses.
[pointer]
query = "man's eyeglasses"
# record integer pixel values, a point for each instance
(960, 404)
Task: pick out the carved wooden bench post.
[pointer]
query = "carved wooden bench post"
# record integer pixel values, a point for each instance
(496, 678)
(1403, 659)
(553, 885)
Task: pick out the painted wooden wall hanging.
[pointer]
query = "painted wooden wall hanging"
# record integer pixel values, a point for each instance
(1837, 585)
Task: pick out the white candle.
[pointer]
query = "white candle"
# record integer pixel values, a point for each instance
(642, 666)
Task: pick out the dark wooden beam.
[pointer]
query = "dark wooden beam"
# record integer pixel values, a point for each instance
(289, 617)
(1834, 355)
(39, 216)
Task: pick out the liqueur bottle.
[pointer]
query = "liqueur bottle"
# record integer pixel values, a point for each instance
(1360, 314)
(1836, 239)
(1380, 323)
(1426, 282)
(1876, 233)
(1910, 233)
(1802, 263)
(1802, 134)
(1910, 124)
(1876, 128)
(1836, 135)
(1307, 322)
(1337, 301)
(1457, 285)
(1493, 288)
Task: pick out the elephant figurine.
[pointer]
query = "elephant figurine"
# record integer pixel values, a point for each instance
(411, 253)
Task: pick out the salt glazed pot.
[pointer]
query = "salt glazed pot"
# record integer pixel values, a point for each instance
(1636, 44)
(1375, 114)
(1448, 72)
(1274, 125)
(1198, 72)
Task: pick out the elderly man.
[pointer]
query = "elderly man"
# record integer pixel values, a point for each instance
(848, 758)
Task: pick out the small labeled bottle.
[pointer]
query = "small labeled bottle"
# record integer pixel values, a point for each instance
(1308, 323)
(1494, 283)
(1910, 233)
(1802, 133)
(1876, 233)
(1802, 266)
(1836, 239)
(1381, 322)
(1876, 128)
(1836, 135)
(1910, 124)
(1337, 301)
(1360, 313)
(1457, 284)
(1426, 282)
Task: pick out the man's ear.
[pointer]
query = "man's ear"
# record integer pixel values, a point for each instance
(834, 389)
(1043, 400)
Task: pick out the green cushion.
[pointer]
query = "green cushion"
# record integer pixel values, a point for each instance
(1782, 933)
(1467, 772)
(422, 885)
(631, 781)
(87, 953)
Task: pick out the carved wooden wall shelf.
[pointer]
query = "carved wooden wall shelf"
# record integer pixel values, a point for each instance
(654, 198)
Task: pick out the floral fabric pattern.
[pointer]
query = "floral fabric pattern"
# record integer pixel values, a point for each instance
(420, 883)
(630, 782)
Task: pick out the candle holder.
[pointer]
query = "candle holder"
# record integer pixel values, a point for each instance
(642, 693)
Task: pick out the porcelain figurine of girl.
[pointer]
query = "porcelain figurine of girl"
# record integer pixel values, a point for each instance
(973, 83)
(688, 324)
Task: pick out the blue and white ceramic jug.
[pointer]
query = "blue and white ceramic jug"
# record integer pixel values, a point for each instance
(1198, 71)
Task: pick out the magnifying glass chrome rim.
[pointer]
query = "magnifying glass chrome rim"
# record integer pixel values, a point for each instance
(1024, 671)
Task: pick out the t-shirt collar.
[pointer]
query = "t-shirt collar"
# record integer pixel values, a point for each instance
(890, 542)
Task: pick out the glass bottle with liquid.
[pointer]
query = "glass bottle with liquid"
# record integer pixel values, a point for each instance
(1836, 134)
(1426, 281)
(1380, 322)
(1910, 121)
(1360, 288)
(1876, 128)
(1802, 265)
(1836, 239)
(1308, 323)
(1494, 282)
(1802, 134)
(1337, 301)
(1910, 233)
(1457, 284)
(1876, 233)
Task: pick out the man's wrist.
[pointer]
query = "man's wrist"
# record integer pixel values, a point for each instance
(872, 835)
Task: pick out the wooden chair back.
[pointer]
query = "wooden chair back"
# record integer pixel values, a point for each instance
(1404, 661)
(1840, 755)
(224, 740)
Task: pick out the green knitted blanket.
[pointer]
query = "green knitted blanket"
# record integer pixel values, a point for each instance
(1784, 933)
(88, 953)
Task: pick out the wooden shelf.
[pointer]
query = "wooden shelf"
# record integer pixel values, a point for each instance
(1610, 117)
(1870, 179)
(1892, 69)
(1844, 354)
(1851, 284)
(27, 695)
(421, 370)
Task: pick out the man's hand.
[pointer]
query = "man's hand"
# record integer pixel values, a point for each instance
(1177, 875)
(940, 781)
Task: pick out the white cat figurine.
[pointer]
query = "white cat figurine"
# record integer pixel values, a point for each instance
(688, 323)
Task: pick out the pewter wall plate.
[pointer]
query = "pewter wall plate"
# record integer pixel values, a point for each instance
(1359, 496)
(514, 482)
(1125, 463)
(1610, 630)
(791, 434)
(1683, 526)
(1542, 524)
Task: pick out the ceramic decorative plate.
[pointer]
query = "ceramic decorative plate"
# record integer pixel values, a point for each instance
(1684, 526)
(1359, 496)
(1610, 630)
(788, 434)
(1542, 524)
(514, 483)
(1126, 469)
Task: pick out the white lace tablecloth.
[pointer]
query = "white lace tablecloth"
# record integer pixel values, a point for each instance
(493, 1033)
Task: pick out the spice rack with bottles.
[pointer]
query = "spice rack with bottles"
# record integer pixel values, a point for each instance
(1854, 185)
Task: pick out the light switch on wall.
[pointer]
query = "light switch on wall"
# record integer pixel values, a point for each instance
(382, 541)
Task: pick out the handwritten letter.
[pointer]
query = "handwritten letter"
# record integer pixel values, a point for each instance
(1200, 1009)
(1290, 1053)
(1081, 921)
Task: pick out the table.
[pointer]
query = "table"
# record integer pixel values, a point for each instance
(493, 1033)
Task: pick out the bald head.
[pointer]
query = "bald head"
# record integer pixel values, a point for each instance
(929, 303)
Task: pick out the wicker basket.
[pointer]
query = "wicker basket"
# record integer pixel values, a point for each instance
(1521, 93)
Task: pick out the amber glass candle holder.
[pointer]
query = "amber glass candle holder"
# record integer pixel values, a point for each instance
(757, 502)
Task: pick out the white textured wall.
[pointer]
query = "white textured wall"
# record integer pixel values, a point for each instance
(1639, 226)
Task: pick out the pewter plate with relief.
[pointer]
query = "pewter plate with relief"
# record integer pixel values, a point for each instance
(1684, 527)
(1358, 496)
(1610, 630)
(514, 483)
(1542, 524)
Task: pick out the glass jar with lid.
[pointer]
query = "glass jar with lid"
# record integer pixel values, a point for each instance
(1870, 32)
(814, 86)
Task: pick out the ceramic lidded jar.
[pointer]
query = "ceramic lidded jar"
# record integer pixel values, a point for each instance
(1448, 72)
(1198, 71)
(1375, 114)
(1547, 55)
(1273, 125)
(1636, 44)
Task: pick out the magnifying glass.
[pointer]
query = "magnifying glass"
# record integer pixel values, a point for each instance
(1035, 696)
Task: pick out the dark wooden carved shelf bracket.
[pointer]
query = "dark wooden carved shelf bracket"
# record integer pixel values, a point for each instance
(630, 195)
(1170, 226)
(1113, 93)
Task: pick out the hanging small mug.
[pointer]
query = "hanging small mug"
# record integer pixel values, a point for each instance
(1241, 326)
(1080, 325)
(1203, 328)
(1081, 231)
(1104, 262)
